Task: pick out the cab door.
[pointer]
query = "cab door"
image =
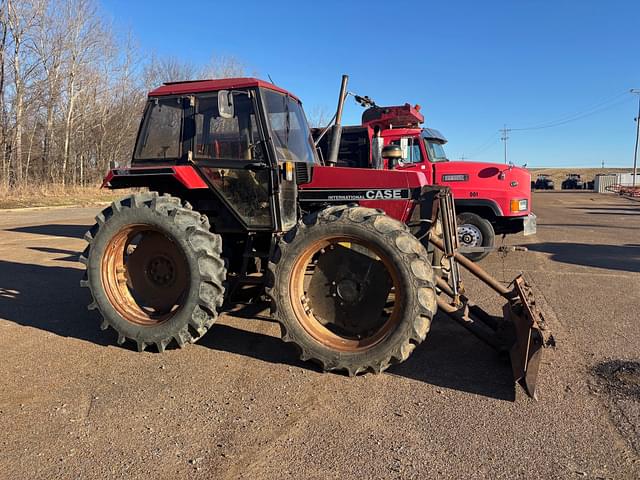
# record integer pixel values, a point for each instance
(229, 150)
(413, 155)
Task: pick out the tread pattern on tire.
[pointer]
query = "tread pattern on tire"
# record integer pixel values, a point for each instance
(413, 253)
(207, 247)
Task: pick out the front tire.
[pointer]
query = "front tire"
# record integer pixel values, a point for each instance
(329, 276)
(154, 270)
(475, 231)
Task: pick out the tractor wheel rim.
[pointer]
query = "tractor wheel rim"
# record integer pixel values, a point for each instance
(470, 235)
(145, 275)
(322, 331)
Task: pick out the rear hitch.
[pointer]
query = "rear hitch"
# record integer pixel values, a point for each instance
(521, 331)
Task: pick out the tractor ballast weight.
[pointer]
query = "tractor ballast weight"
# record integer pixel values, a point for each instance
(354, 261)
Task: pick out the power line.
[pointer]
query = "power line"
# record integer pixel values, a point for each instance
(598, 107)
(490, 142)
(586, 112)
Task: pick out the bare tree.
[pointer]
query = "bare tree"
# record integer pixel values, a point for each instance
(319, 116)
(4, 178)
(223, 67)
(22, 16)
(84, 31)
(168, 69)
(49, 49)
(71, 92)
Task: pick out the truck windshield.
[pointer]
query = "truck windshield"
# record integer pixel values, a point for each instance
(291, 134)
(436, 151)
(160, 133)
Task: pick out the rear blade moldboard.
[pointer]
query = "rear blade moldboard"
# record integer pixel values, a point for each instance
(526, 352)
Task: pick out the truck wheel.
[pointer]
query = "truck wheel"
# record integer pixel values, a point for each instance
(154, 270)
(352, 288)
(475, 231)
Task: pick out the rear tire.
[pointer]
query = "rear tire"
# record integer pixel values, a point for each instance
(154, 270)
(475, 231)
(407, 264)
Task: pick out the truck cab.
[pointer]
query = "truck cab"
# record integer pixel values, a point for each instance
(490, 198)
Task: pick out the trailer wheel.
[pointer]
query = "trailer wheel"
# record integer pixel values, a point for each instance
(475, 231)
(352, 288)
(154, 270)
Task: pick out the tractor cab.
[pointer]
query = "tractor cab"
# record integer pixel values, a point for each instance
(245, 136)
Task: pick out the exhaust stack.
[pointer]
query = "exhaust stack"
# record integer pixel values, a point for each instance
(337, 127)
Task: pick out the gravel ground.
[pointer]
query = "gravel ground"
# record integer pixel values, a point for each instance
(240, 405)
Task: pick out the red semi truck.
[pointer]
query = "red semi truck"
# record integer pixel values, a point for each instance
(490, 198)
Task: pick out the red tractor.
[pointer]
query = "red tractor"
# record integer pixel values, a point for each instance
(355, 262)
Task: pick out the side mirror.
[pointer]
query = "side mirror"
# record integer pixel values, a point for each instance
(392, 151)
(225, 104)
(393, 154)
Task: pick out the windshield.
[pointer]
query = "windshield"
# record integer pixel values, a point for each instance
(291, 134)
(160, 134)
(436, 151)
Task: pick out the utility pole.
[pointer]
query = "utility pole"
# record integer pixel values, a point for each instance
(505, 136)
(636, 91)
(462, 157)
(603, 164)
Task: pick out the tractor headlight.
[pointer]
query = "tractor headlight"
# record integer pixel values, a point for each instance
(519, 205)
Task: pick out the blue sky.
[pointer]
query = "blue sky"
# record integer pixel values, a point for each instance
(472, 65)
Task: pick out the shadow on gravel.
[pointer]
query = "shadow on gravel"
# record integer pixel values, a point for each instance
(633, 214)
(451, 357)
(589, 225)
(54, 230)
(613, 257)
(67, 255)
(49, 298)
(262, 347)
(612, 209)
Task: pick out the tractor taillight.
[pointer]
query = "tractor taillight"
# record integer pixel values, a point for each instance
(288, 171)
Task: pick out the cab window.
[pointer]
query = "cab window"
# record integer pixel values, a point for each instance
(219, 138)
(291, 134)
(411, 152)
(436, 151)
(161, 130)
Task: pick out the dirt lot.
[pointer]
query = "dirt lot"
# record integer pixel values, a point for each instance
(239, 405)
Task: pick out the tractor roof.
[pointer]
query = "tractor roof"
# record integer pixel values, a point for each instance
(198, 86)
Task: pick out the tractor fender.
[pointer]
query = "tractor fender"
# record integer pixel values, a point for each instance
(184, 175)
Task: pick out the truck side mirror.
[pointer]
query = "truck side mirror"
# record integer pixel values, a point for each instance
(393, 154)
(225, 104)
